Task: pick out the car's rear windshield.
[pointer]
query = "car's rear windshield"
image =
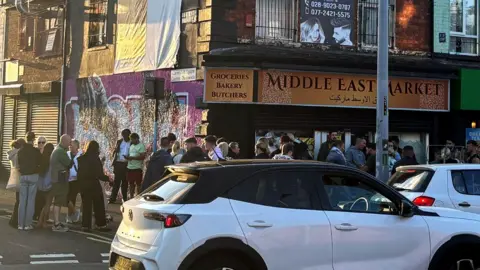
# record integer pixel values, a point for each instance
(170, 189)
(414, 180)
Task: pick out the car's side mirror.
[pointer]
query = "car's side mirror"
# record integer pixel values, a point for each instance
(406, 209)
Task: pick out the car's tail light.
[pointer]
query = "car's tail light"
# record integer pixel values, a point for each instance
(424, 201)
(169, 220)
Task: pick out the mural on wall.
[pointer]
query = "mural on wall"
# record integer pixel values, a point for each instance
(99, 108)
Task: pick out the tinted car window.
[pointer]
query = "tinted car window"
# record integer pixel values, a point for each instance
(347, 193)
(416, 180)
(466, 182)
(279, 189)
(170, 188)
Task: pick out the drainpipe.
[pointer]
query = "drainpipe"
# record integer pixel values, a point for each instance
(64, 68)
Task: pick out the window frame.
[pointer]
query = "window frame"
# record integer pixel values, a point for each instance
(55, 25)
(294, 22)
(92, 6)
(462, 171)
(382, 190)
(316, 206)
(455, 34)
(392, 13)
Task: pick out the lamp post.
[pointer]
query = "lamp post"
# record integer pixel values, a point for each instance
(382, 93)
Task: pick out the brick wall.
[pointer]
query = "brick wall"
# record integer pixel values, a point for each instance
(35, 69)
(413, 25)
(244, 9)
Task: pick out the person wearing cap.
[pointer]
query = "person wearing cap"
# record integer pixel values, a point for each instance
(473, 156)
(407, 159)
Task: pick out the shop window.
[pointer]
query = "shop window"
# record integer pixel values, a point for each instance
(276, 20)
(49, 32)
(368, 30)
(463, 27)
(26, 33)
(98, 23)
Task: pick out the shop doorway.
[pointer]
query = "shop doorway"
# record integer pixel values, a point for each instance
(306, 136)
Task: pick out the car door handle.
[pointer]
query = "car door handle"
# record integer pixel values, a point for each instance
(464, 204)
(346, 227)
(259, 224)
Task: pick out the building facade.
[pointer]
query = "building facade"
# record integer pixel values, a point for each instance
(31, 68)
(309, 68)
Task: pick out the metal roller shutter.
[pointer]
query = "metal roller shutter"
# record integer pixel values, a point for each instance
(21, 118)
(7, 127)
(44, 116)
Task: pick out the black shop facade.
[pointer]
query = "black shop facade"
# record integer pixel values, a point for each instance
(249, 100)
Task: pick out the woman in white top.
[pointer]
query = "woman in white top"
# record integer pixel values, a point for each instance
(14, 180)
(177, 152)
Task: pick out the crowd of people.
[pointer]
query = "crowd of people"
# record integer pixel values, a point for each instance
(44, 175)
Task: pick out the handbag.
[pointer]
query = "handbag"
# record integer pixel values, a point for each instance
(14, 180)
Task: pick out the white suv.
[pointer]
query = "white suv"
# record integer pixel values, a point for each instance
(454, 186)
(287, 215)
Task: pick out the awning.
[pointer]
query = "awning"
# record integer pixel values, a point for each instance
(42, 87)
(11, 89)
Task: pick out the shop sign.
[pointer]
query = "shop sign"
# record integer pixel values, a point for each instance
(345, 90)
(472, 134)
(327, 21)
(183, 75)
(228, 85)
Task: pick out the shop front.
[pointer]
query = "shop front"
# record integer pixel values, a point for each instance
(247, 103)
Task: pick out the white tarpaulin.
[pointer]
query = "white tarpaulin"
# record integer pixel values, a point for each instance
(148, 35)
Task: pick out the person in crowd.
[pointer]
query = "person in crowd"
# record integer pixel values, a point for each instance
(336, 153)
(60, 164)
(325, 147)
(137, 155)
(371, 160)
(396, 145)
(393, 150)
(40, 197)
(194, 152)
(223, 146)
(120, 167)
(14, 179)
(156, 166)
(73, 185)
(407, 159)
(41, 141)
(44, 186)
(355, 156)
(177, 152)
(472, 152)
(287, 152)
(301, 148)
(234, 150)
(222, 139)
(172, 138)
(90, 171)
(283, 140)
(261, 151)
(266, 141)
(214, 152)
(446, 156)
(29, 160)
(44, 183)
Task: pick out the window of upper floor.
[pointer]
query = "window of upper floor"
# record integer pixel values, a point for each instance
(463, 27)
(98, 23)
(321, 22)
(26, 33)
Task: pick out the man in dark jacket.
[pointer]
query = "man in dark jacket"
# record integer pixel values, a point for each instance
(407, 159)
(120, 166)
(326, 147)
(156, 166)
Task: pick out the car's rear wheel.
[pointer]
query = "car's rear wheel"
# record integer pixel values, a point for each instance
(221, 262)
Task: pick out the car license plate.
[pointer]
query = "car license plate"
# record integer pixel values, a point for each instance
(123, 263)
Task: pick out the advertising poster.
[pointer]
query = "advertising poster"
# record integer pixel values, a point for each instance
(327, 22)
(472, 134)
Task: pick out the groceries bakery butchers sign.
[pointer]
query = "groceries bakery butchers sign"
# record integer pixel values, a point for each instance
(229, 85)
(345, 90)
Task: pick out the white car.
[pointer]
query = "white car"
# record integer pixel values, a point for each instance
(454, 186)
(287, 215)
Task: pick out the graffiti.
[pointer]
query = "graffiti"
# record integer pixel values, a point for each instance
(99, 108)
